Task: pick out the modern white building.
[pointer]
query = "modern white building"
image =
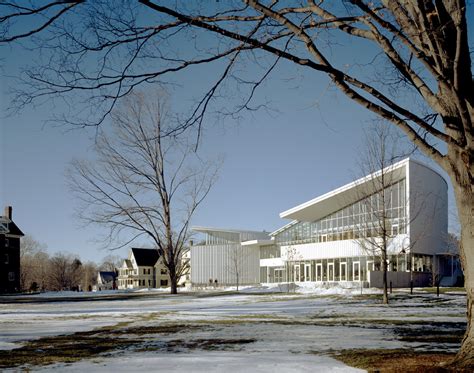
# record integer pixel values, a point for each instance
(336, 237)
(226, 257)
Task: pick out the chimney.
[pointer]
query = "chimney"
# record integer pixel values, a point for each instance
(8, 212)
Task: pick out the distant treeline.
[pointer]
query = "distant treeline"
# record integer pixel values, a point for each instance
(41, 271)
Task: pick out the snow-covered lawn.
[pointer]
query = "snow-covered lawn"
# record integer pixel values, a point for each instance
(251, 331)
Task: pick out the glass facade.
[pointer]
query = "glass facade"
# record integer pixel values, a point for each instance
(364, 218)
(361, 219)
(222, 238)
(342, 269)
(269, 251)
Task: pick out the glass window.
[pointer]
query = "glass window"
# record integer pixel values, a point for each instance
(395, 191)
(402, 193)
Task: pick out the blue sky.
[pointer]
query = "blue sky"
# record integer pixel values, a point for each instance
(272, 162)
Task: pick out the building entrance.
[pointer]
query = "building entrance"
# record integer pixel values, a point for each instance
(356, 271)
(319, 272)
(330, 271)
(307, 272)
(343, 271)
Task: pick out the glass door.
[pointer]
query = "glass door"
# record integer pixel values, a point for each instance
(343, 271)
(297, 273)
(307, 272)
(370, 265)
(356, 271)
(330, 271)
(319, 272)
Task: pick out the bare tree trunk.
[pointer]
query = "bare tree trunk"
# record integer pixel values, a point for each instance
(465, 204)
(384, 269)
(174, 286)
(173, 278)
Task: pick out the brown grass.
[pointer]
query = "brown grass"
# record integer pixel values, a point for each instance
(99, 342)
(63, 349)
(398, 360)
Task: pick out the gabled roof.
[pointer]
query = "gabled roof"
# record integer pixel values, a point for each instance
(7, 226)
(145, 257)
(14, 230)
(127, 263)
(107, 276)
(3, 226)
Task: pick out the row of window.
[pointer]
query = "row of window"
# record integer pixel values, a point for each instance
(219, 238)
(343, 269)
(128, 282)
(269, 251)
(146, 271)
(222, 238)
(361, 219)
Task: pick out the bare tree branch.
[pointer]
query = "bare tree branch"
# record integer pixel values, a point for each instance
(130, 187)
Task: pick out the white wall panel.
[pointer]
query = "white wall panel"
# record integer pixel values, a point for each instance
(216, 262)
(272, 262)
(340, 249)
(325, 250)
(428, 200)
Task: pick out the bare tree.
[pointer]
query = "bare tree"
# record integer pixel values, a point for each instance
(375, 231)
(89, 275)
(31, 263)
(65, 272)
(39, 16)
(415, 49)
(110, 263)
(383, 204)
(292, 256)
(41, 270)
(143, 184)
(236, 263)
